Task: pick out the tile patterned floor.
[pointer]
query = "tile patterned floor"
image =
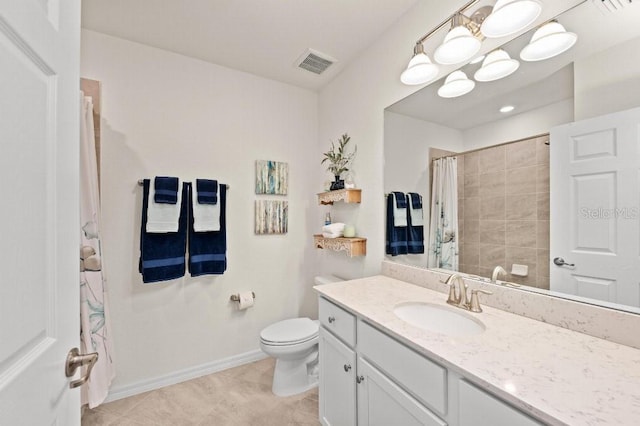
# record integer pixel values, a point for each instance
(238, 396)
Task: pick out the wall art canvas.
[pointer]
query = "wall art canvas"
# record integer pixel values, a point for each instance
(272, 177)
(272, 217)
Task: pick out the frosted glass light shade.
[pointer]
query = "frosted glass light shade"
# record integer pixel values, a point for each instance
(459, 45)
(496, 65)
(456, 84)
(548, 41)
(419, 71)
(510, 16)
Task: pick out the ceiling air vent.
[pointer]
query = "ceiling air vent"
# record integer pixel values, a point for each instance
(611, 5)
(314, 61)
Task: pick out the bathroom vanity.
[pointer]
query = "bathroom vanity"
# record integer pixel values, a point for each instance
(378, 369)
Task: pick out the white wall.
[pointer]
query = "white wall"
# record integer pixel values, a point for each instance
(168, 114)
(608, 81)
(519, 126)
(406, 151)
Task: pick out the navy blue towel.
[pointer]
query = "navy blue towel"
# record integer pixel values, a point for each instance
(401, 200)
(416, 200)
(415, 234)
(207, 190)
(166, 190)
(208, 250)
(162, 256)
(396, 241)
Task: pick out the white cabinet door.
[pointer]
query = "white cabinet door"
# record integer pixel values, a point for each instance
(39, 222)
(477, 408)
(337, 381)
(382, 403)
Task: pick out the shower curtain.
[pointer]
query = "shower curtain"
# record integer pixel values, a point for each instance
(443, 229)
(95, 331)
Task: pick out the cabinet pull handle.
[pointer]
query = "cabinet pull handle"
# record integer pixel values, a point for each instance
(359, 379)
(347, 367)
(331, 319)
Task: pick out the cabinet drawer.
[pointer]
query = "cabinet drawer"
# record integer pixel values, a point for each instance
(340, 322)
(424, 379)
(478, 407)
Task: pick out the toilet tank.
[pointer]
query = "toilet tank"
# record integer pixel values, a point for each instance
(326, 279)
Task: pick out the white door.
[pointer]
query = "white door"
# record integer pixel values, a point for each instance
(337, 381)
(39, 225)
(595, 208)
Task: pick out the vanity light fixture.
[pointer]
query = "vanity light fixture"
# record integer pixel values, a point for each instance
(507, 108)
(498, 64)
(464, 39)
(456, 84)
(548, 41)
(476, 60)
(461, 42)
(420, 69)
(510, 16)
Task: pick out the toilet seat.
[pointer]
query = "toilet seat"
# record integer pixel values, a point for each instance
(290, 332)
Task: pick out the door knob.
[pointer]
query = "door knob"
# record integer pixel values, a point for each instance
(560, 262)
(331, 319)
(347, 367)
(76, 360)
(359, 379)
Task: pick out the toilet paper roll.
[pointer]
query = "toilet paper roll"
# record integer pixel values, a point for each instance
(246, 300)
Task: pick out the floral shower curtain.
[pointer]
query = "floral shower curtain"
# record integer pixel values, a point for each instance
(95, 332)
(443, 229)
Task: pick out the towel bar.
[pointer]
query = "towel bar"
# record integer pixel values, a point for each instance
(236, 297)
(141, 182)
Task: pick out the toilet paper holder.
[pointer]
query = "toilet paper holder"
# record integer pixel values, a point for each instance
(236, 297)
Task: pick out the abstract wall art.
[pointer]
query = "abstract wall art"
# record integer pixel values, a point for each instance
(272, 177)
(272, 217)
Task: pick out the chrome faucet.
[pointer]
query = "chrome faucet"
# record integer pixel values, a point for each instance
(496, 273)
(460, 298)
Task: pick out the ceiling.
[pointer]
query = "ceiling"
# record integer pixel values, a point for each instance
(262, 37)
(534, 84)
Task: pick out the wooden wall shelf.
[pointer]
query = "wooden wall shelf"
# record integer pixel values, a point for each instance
(345, 195)
(352, 246)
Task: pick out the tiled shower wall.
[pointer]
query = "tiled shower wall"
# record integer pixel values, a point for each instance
(503, 194)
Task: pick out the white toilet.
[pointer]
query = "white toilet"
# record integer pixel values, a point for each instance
(294, 345)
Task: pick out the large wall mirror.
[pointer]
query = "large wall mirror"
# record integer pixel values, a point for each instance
(548, 193)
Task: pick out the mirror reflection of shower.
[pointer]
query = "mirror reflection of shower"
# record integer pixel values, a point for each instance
(443, 244)
(502, 199)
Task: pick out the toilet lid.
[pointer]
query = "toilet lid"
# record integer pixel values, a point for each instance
(290, 331)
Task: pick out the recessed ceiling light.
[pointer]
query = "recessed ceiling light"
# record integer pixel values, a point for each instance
(507, 108)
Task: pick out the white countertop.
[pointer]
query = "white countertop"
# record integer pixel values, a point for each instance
(557, 375)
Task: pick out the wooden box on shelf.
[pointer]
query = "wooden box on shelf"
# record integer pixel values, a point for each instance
(351, 195)
(352, 246)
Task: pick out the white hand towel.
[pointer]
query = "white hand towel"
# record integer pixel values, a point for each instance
(162, 218)
(206, 217)
(334, 228)
(399, 215)
(417, 218)
(331, 235)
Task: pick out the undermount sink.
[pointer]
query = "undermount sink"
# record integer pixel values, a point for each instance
(441, 319)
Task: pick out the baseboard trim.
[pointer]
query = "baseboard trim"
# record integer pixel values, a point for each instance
(132, 389)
